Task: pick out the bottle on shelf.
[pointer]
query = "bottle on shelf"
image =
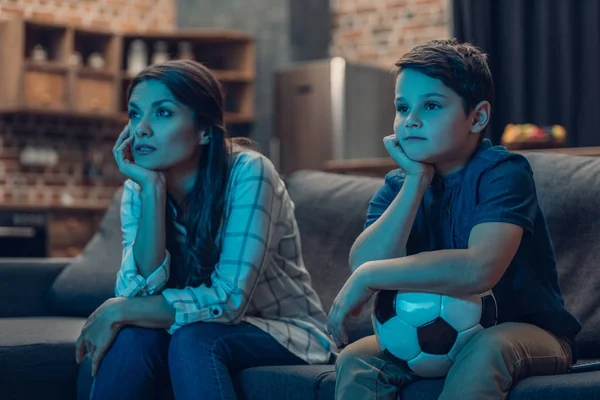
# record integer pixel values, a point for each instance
(137, 57)
(76, 59)
(161, 52)
(186, 51)
(39, 54)
(96, 61)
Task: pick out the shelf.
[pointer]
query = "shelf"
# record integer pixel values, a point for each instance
(222, 76)
(206, 35)
(91, 206)
(233, 76)
(92, 31)
(110, 117)
(95, 73)
(237, 118)
(56, 89)
(46, 25)
(46, 66)
(230, 118)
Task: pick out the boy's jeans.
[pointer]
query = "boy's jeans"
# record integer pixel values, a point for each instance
(486, 369)
(197, 362)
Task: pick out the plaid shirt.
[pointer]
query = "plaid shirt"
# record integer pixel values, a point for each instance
(260, 277)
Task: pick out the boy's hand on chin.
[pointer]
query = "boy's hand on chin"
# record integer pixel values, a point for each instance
(410, 167)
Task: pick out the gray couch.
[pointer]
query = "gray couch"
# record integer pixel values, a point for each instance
(44, 303)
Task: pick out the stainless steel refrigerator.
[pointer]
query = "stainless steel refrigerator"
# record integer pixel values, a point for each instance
(331, 110)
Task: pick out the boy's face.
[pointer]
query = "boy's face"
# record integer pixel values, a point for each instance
(431, 125)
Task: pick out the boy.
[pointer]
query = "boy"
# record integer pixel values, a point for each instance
(461, 218)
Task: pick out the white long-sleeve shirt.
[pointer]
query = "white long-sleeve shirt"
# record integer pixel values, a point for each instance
(260, 277)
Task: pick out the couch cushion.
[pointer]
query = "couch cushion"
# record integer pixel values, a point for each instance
(568, 189)
(300, 382)
(331, 210)
(582, 386)
(86, 283)
(37, 357)
(279, 382)
(25, 285)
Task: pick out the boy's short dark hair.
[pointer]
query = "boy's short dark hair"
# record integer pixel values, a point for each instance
(460, 66)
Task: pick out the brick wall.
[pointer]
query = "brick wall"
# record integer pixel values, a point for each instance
(120, 15)
(381, 31)
(85, 174)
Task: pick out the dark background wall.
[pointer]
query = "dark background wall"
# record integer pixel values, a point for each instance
(285, 31)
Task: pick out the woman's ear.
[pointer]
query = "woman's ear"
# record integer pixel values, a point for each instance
(204, 137)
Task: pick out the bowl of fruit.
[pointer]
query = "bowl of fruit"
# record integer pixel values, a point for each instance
(530, 136)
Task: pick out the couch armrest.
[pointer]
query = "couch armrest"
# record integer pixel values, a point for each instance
(25, 285)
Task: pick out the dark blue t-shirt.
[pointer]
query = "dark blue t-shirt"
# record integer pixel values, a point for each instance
(495, 186)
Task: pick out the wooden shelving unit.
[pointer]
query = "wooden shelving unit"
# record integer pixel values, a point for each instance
(58, 87)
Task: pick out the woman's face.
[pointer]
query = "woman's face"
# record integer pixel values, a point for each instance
(165, 135)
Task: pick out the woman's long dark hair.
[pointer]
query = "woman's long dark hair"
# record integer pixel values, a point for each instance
(193, 85)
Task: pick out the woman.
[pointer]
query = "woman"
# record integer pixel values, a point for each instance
(212, 279)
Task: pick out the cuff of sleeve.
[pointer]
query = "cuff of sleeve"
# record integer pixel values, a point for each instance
(137, 285)
(158, 279)
(187, 308)
(508, 217)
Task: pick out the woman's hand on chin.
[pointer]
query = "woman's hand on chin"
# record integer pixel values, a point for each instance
(144, 177)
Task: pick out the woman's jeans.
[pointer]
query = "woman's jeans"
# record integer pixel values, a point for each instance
(199, 361)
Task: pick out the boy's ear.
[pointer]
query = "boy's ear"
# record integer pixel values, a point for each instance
(480, 116)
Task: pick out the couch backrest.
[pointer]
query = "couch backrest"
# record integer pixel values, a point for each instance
(331, 210)
(569, 194)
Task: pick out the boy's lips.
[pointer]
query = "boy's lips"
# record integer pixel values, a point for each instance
(414, 138)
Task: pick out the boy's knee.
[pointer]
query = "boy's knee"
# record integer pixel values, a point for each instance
(357, 352)
(345, 358)
(488, 347)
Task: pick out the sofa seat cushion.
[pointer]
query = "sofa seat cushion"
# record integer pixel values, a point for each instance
(296, 382)
(37, 357)
(578, 386)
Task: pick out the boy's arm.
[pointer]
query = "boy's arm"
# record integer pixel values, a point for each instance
(455, 272)
(386, 238)
(391, 216)
(505, 212)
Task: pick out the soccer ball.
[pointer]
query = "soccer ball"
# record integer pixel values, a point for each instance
(426, 331)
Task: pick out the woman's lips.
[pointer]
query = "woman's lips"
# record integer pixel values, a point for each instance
(143, 149)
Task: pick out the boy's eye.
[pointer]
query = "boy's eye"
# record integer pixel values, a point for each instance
(431, 106)
(402, 109)
(132, 114)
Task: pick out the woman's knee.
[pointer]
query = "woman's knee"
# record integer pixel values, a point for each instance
(198, 338)
(138, 353)
(140, 343)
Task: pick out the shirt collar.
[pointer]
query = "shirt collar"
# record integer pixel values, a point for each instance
(455, 178)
